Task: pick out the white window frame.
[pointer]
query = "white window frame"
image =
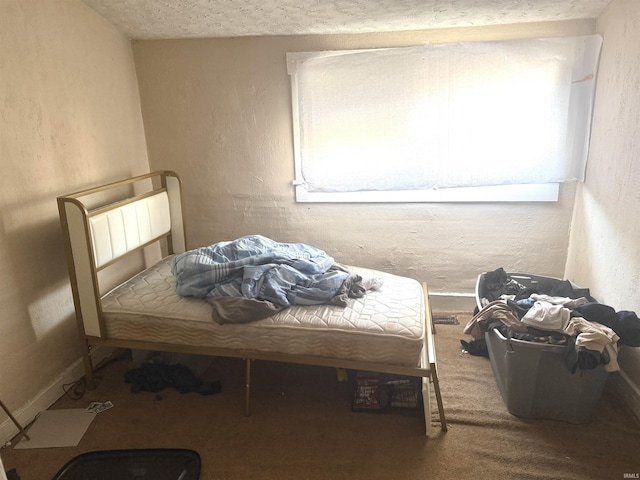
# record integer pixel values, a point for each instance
(547, 192)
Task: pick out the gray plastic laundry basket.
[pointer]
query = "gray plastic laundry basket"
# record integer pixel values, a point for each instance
(535, 383)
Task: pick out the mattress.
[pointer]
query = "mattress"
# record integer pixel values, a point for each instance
(385, 326)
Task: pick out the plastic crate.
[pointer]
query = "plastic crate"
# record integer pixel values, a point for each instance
(535, 383)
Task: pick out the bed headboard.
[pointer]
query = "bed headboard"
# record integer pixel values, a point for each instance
(104, 224)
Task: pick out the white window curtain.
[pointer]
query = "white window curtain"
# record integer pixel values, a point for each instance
(441, 116)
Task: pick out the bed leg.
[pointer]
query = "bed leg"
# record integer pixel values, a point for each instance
(247, 388)
(426, 405)
(88, 366)
(429, 357)
(15, 422)
(436, 388)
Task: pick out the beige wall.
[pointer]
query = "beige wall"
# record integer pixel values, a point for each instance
(218, 111)
(69, 118)
(604, 249)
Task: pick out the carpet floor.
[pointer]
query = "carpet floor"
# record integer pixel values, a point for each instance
(302, 427)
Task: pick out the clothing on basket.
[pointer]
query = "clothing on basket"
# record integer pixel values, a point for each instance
(562, 315)
(566, 302)
(521, 307)
(625, 323)
(547, 316)
(564, 288)
(595, 337)
(497, 283)
(579, 358)
(497, 310)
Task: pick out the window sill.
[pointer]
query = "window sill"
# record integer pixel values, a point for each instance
(547, 192)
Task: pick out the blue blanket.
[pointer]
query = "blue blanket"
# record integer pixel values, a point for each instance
(258, 267)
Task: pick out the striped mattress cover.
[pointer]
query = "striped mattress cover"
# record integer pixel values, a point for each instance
(385, 326)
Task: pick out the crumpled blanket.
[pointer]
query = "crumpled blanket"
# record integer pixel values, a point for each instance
(240, 309)
(244, 310)
(259, 268)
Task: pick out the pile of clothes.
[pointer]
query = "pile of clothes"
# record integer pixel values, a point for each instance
(564, 315)
(155, 377)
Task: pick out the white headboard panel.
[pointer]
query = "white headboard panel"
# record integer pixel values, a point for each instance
(126, 228)
(98, 236)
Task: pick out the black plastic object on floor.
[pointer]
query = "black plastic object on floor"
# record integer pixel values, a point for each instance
(140, 464)
(12, 474)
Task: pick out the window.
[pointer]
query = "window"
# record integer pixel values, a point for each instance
(504, 120)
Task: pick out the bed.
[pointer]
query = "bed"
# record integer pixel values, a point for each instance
(136, 226)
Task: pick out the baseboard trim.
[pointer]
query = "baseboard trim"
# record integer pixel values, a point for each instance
(452, 302)
(26, 414)
(628, 391)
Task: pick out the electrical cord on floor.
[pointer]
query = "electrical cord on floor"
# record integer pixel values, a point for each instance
(76, 390)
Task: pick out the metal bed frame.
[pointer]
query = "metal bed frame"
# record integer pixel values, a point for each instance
(101, 227)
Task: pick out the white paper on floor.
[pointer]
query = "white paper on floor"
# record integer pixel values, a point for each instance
(57, 428)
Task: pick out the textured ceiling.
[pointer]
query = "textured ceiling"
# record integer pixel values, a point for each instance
(153, 19)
